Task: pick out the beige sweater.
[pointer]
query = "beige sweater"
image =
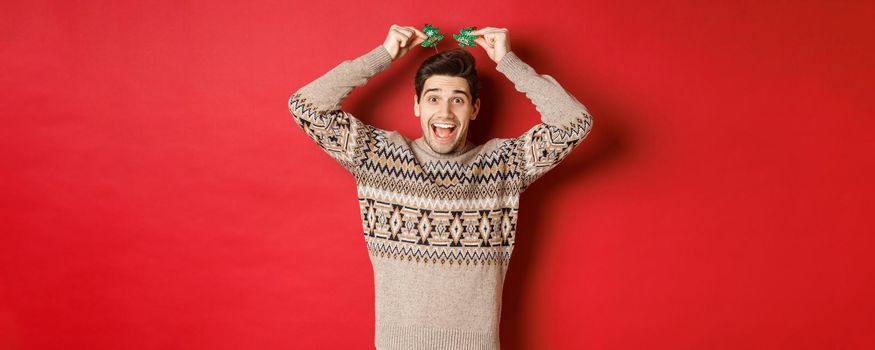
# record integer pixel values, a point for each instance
(439, 228)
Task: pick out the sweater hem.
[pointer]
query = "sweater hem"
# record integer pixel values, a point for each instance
(395, 337)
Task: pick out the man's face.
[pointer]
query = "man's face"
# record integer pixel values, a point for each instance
(445, 109)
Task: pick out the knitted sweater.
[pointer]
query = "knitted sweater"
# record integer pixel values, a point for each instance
(439, 228)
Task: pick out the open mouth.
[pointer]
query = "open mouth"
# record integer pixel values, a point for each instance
(443, 131)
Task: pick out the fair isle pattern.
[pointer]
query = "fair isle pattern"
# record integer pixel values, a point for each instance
(331, 130)
(482, 228)
(509, 168)
(544, 146)
(438, 211)
(386, 249)
(395, 169)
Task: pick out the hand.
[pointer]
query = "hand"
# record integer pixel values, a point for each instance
(494, 40)
(401, 39)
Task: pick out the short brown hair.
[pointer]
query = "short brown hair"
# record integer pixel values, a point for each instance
(456, 62)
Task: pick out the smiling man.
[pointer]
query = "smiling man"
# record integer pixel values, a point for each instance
(446, 110)
(439, 213)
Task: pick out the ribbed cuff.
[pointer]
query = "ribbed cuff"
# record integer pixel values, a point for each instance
(513, 67)
(377, 59)
(391, 337)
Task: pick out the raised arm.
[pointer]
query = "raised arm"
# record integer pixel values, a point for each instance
(315, 107)
(565, 122)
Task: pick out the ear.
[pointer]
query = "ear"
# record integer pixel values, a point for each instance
(476, 109)
(415, 106)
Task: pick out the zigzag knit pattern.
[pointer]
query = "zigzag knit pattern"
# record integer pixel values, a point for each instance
(439, 228)
(437, 211)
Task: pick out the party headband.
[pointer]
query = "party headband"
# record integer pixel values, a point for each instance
(464, 38)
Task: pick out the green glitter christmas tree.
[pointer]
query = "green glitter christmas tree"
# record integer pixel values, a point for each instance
(433, 36)
(465, 38)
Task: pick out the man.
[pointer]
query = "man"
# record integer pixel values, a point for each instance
(439, 213)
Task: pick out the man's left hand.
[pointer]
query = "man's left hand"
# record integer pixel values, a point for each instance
(494, 40)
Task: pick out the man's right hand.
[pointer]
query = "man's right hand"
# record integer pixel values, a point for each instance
(401, 39)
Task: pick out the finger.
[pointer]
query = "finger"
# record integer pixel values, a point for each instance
(489, 30)
(482, 31)
(408, 33)
(405, 30)
(401, 33)
(418, 40)
(496, 38)
(397, 38)
(401, 37)
(481, 42)
(418, 32)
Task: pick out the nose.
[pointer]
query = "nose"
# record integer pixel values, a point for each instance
(444, 110)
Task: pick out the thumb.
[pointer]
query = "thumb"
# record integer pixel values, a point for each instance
(417, 41)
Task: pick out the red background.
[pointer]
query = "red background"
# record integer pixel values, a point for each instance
(157, 194)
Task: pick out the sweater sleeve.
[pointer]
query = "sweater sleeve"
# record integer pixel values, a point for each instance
(315, 107)
(565, 122)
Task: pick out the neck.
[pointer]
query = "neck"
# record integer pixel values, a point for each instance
(425, 146)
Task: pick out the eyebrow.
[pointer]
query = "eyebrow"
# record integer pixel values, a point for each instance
(454, 91)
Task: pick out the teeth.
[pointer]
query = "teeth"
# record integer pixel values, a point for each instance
(444, 126)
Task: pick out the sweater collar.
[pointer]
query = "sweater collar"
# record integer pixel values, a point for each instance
(423, 146)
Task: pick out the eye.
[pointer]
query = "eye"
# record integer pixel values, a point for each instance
(432, 99)
(459, 100)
